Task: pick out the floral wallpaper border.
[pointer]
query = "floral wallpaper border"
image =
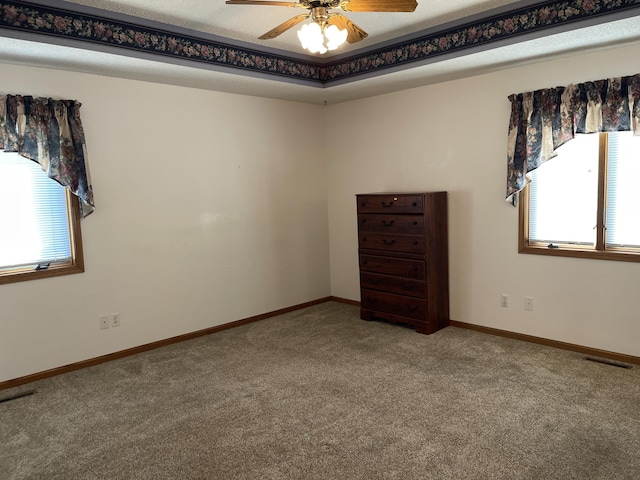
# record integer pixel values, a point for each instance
(64, 23)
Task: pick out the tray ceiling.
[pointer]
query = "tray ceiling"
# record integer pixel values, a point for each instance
(208, 44)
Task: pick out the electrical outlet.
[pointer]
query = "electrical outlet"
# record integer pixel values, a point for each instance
(104, 322)
(504, 300)
(528, 303)
(115, 319)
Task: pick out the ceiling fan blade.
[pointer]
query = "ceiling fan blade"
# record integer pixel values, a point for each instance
(263, 2)
(378, 5)
(283, 27)
(354, 32)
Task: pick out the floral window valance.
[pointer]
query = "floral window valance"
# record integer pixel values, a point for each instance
(50, 133)
(543, 120)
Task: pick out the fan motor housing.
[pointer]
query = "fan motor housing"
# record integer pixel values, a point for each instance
(320, 15)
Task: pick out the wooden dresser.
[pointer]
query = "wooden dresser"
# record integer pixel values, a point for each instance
(404, 263)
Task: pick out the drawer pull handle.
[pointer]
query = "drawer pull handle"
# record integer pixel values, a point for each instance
(372, 300)
(388, 223)
(415, 222)
(414, 204)
(388, 242)
(411, 308)
(415, 243)
(386, 205)
(415, 268)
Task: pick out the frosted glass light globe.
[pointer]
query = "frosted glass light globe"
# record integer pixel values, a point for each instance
(335, 37)
(311, 38)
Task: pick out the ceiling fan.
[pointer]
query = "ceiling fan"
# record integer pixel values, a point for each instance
(328, 29)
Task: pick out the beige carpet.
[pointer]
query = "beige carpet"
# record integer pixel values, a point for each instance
(320, 394)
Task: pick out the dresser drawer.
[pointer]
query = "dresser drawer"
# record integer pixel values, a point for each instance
(399, 285)
(392, 243)
(393, 266)
(407, 224)
(390, 203)
(395, 304)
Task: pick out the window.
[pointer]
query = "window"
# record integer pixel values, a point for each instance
(40, 234)
(585, 202)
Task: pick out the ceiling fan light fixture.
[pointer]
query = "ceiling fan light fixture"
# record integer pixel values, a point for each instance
(312, 38)
(320, 39)
(329, 29)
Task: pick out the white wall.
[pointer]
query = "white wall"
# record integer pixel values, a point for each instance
(209, 210)
(452, 136)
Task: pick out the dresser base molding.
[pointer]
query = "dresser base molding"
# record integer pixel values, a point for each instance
(425, 327)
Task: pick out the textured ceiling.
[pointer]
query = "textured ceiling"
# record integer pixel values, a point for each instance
(241, 25)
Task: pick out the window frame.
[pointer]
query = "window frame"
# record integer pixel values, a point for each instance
(75, 265)
(597, 252)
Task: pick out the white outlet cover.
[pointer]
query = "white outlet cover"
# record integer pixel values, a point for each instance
(528, 303)
(504, 300)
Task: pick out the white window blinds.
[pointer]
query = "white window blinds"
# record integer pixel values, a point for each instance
(623, 195)
(34, 223)
(563, 201)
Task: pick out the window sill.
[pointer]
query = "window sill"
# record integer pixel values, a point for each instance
(23, 275)
(618, 255)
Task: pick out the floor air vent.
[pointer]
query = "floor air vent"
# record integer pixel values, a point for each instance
(613, 363)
